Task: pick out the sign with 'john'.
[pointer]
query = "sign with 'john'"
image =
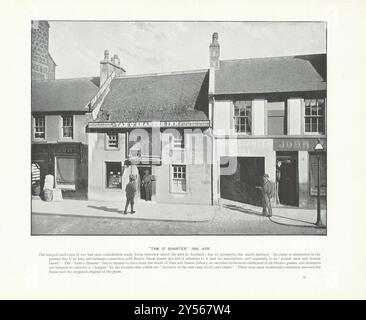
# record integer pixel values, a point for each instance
(298, 144)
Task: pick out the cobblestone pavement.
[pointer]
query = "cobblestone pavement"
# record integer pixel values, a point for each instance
(227, 220)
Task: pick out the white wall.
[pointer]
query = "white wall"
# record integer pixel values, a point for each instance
(294, 116)
(223, 113)
(258, 117)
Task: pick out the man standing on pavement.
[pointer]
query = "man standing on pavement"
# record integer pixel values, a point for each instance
(130, 194)
(147, 184)
(266, 191)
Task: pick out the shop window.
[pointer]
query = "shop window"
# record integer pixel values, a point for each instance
(65, 173)
(112, 140)
(67, 126)
(315, 115)
(243, 116)
(39, 127)
(114, 175)
(314, 174)
(179, 182)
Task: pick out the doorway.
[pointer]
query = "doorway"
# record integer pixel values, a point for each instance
(142, 170)
(241, 185)
(287, 178)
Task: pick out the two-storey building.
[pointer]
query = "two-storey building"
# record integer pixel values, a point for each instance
(156, 124)
(61, 110)
(267, 115)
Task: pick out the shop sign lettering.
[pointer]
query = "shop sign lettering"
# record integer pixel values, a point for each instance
(296, 144)
(149, 124)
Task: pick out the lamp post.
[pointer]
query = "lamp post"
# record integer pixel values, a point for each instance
(318, 150)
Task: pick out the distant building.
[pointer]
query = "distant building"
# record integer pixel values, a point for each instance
(43, 66)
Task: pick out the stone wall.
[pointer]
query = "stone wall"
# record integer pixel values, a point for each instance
(43, 67)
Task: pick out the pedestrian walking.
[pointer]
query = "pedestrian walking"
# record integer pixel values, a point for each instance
(130, 194)
(267, 192)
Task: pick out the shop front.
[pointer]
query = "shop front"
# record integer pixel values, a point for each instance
(297, 172)
(67, 162)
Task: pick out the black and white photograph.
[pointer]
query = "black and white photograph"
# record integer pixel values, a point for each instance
(178, 127)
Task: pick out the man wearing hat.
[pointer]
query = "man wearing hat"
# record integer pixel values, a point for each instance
(266, 191)
(130, 194)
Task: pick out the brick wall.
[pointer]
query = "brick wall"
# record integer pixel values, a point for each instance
(42, 65)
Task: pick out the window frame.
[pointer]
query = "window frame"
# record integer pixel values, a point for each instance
(317, 116)
(72, 126)
(108, 140)
(178, 142)
(248, 107)
(173, 179)
(35, 126)
(61, 185)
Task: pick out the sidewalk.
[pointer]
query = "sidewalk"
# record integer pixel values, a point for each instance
(290, 216)
(144, 210)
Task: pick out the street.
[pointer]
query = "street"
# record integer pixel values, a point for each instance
(228, 219)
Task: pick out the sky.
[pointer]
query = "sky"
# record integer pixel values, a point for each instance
(153, 47)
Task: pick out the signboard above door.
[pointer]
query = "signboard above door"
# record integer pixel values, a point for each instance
(297, 144)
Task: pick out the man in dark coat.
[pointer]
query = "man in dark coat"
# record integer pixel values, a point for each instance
(130, 194)
(147, 184)
(267, 192)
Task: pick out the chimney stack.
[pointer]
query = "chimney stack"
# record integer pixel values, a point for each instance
(215, 51)
(108, 66)
(116, 60)
(106, 55)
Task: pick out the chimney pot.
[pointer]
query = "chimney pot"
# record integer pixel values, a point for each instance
(106, 55)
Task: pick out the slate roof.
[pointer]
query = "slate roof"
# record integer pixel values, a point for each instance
(63, 94)
(166, 97)
(275, 74)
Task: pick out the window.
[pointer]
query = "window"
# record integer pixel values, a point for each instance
(39, 127)
(178, 140)
(178, 179)
(67, 126)
(114, 175)
(65, 173)
(112, 140)
(242, 116)
(314, 115)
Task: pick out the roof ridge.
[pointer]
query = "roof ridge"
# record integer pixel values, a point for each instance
(161, 74)
(274, 57)
(65, 79)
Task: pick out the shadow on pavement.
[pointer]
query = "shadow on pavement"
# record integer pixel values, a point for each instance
(240, 209)
(104, 208)
(304, 224)
(308, 224)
